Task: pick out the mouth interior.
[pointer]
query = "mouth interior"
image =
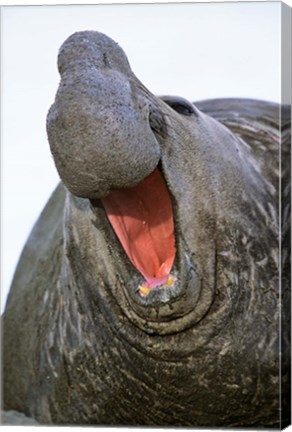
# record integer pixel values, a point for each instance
(142, 218)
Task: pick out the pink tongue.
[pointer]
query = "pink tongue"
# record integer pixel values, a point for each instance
(142, 219)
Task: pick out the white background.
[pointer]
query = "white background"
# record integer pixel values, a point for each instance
(193, 50)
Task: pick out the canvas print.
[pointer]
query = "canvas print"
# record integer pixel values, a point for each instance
(154, 288)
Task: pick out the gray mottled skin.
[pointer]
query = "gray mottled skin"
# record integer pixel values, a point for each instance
(80, 345)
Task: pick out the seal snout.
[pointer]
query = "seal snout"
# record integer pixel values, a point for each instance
(98, 131)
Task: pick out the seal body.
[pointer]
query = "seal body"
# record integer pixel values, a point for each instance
(173, 320)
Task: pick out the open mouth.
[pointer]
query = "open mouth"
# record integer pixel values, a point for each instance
(142, 219)
(158, 286)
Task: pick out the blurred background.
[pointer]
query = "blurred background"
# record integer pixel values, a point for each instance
(198, 51)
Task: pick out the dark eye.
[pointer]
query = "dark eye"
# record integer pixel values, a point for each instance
(180, 105)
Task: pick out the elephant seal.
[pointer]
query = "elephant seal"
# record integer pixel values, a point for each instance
(148, 292)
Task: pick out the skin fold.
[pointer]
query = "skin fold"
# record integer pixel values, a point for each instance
(78, 336)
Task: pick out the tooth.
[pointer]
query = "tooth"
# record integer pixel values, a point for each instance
(170, 280)
(144, 290)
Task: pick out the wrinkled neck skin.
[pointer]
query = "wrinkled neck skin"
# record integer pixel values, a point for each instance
(107, 132)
